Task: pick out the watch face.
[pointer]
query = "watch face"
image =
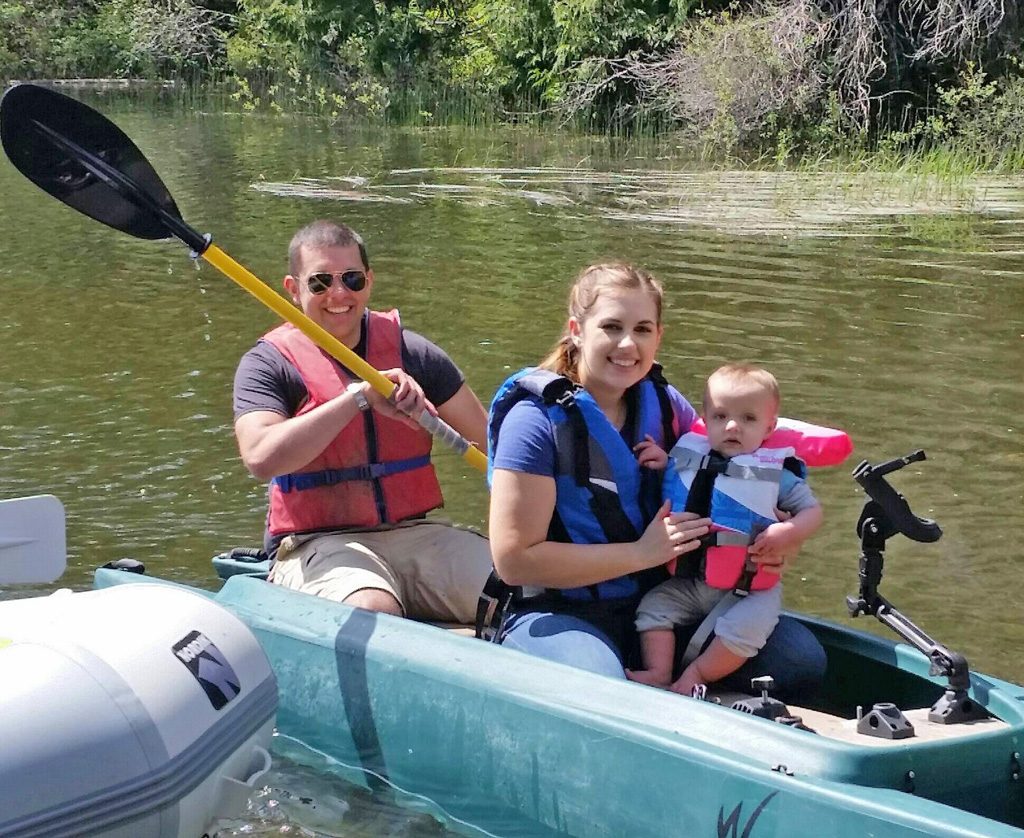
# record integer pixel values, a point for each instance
(355, 388)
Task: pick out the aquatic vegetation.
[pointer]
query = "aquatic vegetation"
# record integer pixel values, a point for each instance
(739, 201)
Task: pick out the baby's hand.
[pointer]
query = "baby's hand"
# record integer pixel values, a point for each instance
(650, 455)
(772, 546)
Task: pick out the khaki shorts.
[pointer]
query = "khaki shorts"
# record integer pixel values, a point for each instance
(436, 571)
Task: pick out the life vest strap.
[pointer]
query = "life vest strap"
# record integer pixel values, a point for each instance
(664, 402)
(716, 464)
(728, 538)
(771, 475)
(302, 481)
(699, 639)
(581, 436)
(492, 607)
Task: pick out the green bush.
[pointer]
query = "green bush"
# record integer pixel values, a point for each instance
(119, 38)
(32, 37)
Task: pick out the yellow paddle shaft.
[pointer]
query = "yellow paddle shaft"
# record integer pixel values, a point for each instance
(330, 344)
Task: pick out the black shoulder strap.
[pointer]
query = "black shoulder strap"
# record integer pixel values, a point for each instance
(795, 465)
(562, 391)
(698, 500)
(604, 503)
(665, 403)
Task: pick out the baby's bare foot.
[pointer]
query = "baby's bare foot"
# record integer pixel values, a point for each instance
(647, 676)
(684, 685)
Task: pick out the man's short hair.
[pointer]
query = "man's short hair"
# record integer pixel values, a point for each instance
(320, 234)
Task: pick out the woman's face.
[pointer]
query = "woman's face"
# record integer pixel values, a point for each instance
(617, 340)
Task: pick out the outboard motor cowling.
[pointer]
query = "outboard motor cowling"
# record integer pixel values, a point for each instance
(138, 710)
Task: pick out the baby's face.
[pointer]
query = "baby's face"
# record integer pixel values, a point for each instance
(738, 418)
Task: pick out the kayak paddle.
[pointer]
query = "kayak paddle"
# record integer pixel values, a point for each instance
(32, 546)
(83, 159)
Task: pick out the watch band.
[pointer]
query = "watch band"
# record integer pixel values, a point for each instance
(355, 389)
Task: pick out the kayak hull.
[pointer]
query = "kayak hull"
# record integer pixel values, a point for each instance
(519, 745)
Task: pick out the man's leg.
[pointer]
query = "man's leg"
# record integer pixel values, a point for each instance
(339, 567)
(440, 569)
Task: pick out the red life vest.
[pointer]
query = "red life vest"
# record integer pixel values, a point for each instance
(377, 470)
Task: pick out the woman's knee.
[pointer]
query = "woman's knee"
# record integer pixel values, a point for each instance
(567, 640)
(794, 658)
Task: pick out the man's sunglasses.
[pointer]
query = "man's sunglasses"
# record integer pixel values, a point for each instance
(319, 282)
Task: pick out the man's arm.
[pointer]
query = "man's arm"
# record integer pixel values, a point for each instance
(268, 392)
(271, 444)
(445, 387)
(464, 412)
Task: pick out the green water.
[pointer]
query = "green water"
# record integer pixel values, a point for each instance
(894, 309)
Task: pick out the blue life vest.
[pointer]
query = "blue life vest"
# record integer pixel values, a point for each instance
(602, 495)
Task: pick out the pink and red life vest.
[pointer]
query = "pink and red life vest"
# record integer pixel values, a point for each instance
(377, 470)
(745, 491)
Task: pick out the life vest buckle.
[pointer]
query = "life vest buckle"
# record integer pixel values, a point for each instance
(566, 401)
(492, 608)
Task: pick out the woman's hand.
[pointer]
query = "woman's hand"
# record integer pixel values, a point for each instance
(670, 535)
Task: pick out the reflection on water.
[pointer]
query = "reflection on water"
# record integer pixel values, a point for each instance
(893, 309)
(738, 203)
(308, 794)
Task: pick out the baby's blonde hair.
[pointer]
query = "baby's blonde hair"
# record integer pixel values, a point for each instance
(745, 375)
(594, 280)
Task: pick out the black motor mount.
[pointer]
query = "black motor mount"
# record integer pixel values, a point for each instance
(885, 514)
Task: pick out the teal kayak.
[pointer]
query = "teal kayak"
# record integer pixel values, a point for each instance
(523, 746)
(902, 740)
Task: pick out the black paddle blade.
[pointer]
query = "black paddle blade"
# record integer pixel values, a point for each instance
(81, 158)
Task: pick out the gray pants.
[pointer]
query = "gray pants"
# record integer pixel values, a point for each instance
(744, 628)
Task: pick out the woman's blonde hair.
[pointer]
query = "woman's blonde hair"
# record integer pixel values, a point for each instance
(588, 287)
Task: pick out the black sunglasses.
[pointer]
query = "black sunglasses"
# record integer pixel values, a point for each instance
(319, 282)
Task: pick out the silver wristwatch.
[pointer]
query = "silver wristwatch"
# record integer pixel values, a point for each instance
(355, 389)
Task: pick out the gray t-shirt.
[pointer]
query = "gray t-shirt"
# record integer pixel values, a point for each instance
(266, 380)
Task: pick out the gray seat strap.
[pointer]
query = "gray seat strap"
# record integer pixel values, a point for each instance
(703, 632)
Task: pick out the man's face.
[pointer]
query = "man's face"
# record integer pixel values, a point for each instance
(338, 309)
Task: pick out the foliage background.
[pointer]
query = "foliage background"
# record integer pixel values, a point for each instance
(777, 77)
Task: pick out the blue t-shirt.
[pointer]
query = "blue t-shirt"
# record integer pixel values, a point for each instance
(526, 443)
(794, 493)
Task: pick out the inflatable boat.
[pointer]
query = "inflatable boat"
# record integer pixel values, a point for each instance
(903, 740)
(137, 712)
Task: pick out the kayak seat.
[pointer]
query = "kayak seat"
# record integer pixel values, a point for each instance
(457, 628)
(244, 561)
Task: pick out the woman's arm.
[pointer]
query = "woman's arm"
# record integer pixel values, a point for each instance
(521, 509)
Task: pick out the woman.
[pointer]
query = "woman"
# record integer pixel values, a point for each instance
(576, 518)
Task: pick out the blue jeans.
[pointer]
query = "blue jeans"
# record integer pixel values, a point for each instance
(792, 656)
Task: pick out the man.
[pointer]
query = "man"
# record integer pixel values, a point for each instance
(335, 528)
